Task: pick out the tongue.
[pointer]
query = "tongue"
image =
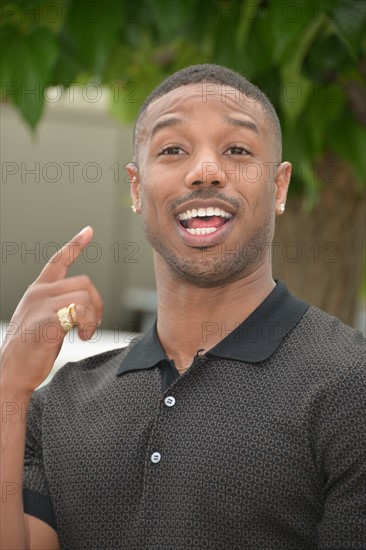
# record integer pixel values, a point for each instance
(208, 221)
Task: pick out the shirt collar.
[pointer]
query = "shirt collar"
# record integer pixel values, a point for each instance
(253, 341)
(146, 352)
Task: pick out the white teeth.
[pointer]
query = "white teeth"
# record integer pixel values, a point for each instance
(202, 212)
(201, 230)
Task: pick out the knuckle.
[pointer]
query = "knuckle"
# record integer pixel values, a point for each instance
(84, 297)
(85, 280)
(32, 291)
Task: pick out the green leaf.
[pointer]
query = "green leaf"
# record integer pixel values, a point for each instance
(292, 75)
(324, 107)
(171, 18)
(9, 37)
(257, 56)
(32, 59)
(327, 59)
(246, 21)
(289, 23)
(92, 28)
(29, 14)
(131, 88)
(67, 65)
(296, 90)
(43, 50)
(347, 138)
(349, 20)
(303, 181)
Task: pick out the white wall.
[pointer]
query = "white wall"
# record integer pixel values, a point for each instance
(36, 211)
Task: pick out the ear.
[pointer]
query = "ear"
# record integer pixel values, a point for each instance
(133, 175)
(282, 181)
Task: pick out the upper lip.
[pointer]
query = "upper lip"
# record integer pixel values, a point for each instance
(214, 203)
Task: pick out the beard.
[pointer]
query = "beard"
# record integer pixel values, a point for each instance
(217, 265)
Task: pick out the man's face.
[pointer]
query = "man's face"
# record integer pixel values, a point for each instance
(208, 183)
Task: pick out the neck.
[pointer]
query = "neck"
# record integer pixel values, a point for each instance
(192, 318)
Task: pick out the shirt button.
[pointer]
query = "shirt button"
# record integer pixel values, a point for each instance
(155, 457)
(169, 401)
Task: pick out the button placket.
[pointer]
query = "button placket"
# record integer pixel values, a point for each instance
(169, 401)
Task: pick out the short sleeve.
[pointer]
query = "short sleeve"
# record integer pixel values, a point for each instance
(36, 498)
(342, 437)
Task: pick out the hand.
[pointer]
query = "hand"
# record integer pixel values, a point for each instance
(35, 334)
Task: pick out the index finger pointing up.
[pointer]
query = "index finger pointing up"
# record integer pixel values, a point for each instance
(57, 266)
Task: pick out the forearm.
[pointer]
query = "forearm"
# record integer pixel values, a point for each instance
(28, 354)
(14, 404)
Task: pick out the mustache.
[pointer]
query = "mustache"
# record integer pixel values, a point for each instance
(204, 194)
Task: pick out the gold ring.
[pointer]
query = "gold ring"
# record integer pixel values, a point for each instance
(67, 317)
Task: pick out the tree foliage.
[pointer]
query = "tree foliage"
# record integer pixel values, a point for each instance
(307, 55)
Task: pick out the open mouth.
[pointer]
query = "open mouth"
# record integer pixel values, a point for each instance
(203, 221)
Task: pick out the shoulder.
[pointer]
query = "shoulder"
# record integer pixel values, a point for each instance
(328, 347)
(329, 334)
(88, 375)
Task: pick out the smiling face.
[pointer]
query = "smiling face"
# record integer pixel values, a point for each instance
(208, 185)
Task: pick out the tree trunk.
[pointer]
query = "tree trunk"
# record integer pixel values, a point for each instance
(320, 254)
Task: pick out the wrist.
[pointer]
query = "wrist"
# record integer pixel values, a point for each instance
(12, 391)
(11, 385)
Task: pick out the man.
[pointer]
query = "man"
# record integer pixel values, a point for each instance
(238, 420)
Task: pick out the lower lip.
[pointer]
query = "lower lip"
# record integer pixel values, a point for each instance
(210, 239)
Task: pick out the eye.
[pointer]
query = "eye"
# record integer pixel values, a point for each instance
(171, 150)
(237, 150)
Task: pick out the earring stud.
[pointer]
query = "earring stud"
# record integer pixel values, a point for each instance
(133, 208)
(282, 208)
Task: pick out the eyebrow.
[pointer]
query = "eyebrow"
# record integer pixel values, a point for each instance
(172, 121)
(249, 125)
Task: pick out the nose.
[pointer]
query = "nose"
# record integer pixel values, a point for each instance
(205, 170)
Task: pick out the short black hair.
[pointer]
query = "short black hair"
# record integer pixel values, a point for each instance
(216, 74)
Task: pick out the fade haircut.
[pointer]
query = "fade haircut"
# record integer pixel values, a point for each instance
(215, 74)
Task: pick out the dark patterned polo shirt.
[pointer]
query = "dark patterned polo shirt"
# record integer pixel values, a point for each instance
(260, 445)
